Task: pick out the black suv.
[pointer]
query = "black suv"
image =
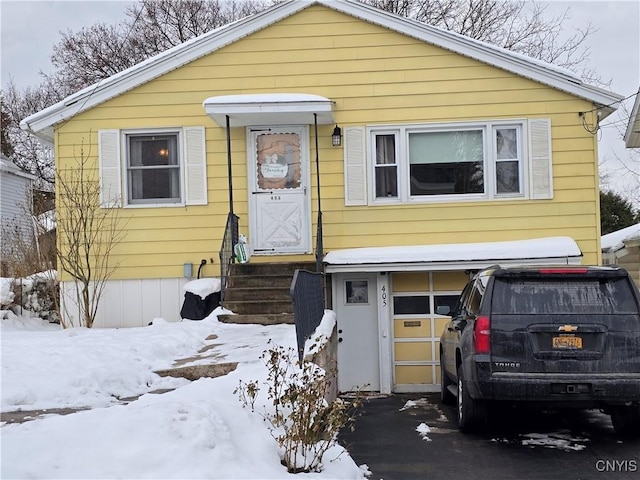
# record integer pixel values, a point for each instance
(549, 337)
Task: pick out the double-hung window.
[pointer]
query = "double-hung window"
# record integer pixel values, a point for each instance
(153, 168)
(483, 160)
(386, 165)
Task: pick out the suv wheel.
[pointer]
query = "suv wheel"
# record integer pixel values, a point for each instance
(626, 420)
(446, 397)
(472, 413)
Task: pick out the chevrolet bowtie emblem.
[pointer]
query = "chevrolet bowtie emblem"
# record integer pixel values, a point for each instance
(567, 328)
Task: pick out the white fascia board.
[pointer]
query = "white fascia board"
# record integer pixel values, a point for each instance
(41, 123)
(537, 70)
(447, 266)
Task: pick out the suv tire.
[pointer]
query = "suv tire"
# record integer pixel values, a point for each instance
(472, 414)
(626, 420)
(446, 397)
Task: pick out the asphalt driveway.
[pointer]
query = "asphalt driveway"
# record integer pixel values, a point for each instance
(525, 445)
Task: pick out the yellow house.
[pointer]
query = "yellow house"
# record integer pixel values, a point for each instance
(449, 155)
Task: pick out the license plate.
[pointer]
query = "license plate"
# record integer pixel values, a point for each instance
(567, 342)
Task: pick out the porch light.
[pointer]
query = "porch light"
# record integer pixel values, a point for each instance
(336, 137)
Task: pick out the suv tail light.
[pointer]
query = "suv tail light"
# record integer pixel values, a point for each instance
(562, 271)
(482, 334)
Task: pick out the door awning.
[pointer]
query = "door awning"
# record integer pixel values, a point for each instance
(269, 108)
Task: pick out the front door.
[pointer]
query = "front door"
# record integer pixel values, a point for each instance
(358, 346)
(280, 208)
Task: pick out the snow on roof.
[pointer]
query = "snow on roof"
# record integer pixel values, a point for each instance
(540, 248)
(615, 240)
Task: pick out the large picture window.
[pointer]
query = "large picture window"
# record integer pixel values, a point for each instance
(448, 162)
(153, 168)
(443, 163)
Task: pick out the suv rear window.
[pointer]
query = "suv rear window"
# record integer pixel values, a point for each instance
(563, 296)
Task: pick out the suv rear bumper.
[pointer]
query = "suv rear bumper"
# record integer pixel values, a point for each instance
(579, 389)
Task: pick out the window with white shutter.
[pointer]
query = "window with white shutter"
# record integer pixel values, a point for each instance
(153, 167)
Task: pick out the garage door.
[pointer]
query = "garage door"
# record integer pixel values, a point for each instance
(417, 328)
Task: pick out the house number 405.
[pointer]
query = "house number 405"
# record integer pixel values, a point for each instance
(383, 296)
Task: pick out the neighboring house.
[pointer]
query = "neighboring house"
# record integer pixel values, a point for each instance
(445, 143)
(623, 248)
(632, 134)
(16, 222)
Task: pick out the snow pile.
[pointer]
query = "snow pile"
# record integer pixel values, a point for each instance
(198, 430)
(203, 287)
(424, 431)
(322, 334)
(30, 296)
(560, 441)
(541, 248)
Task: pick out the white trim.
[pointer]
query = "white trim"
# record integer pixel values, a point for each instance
(403, 165)
(385, 334)
(41, 123)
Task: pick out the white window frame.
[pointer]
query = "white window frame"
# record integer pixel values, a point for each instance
(402, 133)
(152, 203)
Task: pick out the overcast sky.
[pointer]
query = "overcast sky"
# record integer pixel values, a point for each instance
(31, 28)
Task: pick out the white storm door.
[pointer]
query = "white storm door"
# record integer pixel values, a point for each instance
(358, 346)
(279, 205)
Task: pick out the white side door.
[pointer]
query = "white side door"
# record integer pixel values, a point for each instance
(279, 204)
(358, 345)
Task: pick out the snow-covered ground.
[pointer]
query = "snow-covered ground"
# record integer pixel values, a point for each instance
(197, 430)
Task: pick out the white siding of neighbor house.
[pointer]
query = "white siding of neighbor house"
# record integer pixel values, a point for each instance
(14, 194)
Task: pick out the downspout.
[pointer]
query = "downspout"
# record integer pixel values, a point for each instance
(319, 246)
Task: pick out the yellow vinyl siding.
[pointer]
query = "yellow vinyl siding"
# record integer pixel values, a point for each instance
(375, 76)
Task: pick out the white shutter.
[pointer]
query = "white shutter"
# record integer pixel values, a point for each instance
(355, 166)
(195, 166)
(540, 166)
(109, 164)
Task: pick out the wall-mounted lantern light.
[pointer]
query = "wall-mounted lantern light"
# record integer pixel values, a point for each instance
(336, 137)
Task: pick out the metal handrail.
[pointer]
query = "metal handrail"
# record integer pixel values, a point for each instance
(227, 255)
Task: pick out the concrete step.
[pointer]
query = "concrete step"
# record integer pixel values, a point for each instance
(259, 319)
(257, 293)
(194, 372)
(252, 307)
(270, 268)
(259, 281)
